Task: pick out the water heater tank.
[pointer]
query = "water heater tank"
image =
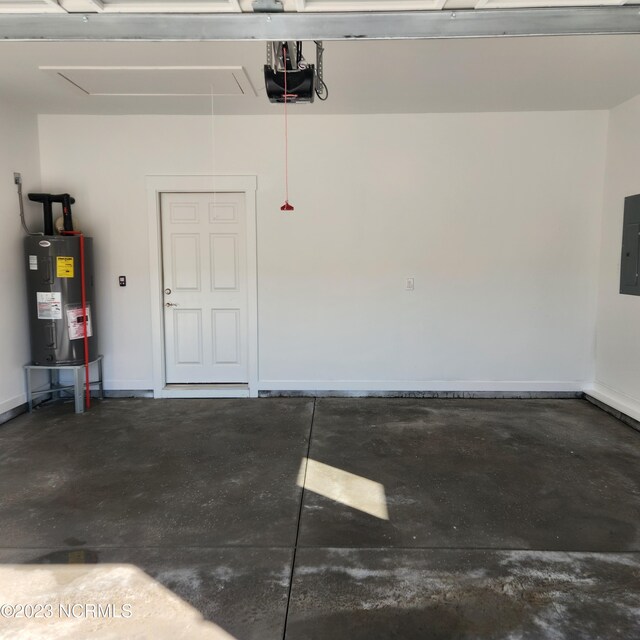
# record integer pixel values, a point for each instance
(54, 288)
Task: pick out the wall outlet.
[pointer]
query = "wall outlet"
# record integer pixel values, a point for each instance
(17, 178)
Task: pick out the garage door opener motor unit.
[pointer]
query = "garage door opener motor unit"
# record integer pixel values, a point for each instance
(288, 77)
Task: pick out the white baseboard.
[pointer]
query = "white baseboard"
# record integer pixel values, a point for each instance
(12, 403)
(422, 385)
(620, 401)
(138, 385)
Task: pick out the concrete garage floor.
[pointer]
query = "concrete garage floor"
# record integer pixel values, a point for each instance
(507, 519)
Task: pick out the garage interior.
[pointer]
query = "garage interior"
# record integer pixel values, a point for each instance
(412, 410)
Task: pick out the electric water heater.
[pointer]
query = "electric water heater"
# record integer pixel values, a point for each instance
(54, 289)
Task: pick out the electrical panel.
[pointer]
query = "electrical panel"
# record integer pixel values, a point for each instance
(630, 262)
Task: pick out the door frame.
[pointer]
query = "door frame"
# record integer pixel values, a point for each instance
(156, 185)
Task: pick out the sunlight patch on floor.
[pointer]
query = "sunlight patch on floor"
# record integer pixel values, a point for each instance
(107, 601)
(346, 488)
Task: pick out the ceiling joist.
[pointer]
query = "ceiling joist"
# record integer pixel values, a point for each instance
(325, 26)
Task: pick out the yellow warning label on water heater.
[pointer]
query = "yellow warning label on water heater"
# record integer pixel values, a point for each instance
(64, 267)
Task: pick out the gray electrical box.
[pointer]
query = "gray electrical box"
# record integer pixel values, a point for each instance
(630, 263)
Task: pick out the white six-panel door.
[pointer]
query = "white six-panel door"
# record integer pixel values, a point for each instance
(204, 260)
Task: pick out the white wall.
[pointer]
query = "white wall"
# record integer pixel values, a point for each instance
(618, 332)
(18, 152)
(496, 216)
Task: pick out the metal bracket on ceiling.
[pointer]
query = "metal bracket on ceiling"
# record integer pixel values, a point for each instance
(267, 6)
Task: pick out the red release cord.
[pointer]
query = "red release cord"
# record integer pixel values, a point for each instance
(286, 206)
(84, 317)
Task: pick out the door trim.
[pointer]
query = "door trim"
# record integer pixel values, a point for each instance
(156, 185)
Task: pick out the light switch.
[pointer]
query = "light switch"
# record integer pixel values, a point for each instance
(409, 285)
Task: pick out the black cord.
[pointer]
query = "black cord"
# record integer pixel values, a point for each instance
(326, 91)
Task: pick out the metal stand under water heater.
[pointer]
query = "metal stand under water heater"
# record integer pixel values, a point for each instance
(59, 268)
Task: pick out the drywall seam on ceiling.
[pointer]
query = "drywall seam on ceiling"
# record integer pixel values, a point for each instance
(201, 80)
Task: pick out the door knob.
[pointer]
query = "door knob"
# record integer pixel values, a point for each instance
(170, 304)
(167, 291)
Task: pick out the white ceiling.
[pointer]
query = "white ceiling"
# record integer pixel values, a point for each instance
(156, 81)
(460, 75)
(463, 75)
